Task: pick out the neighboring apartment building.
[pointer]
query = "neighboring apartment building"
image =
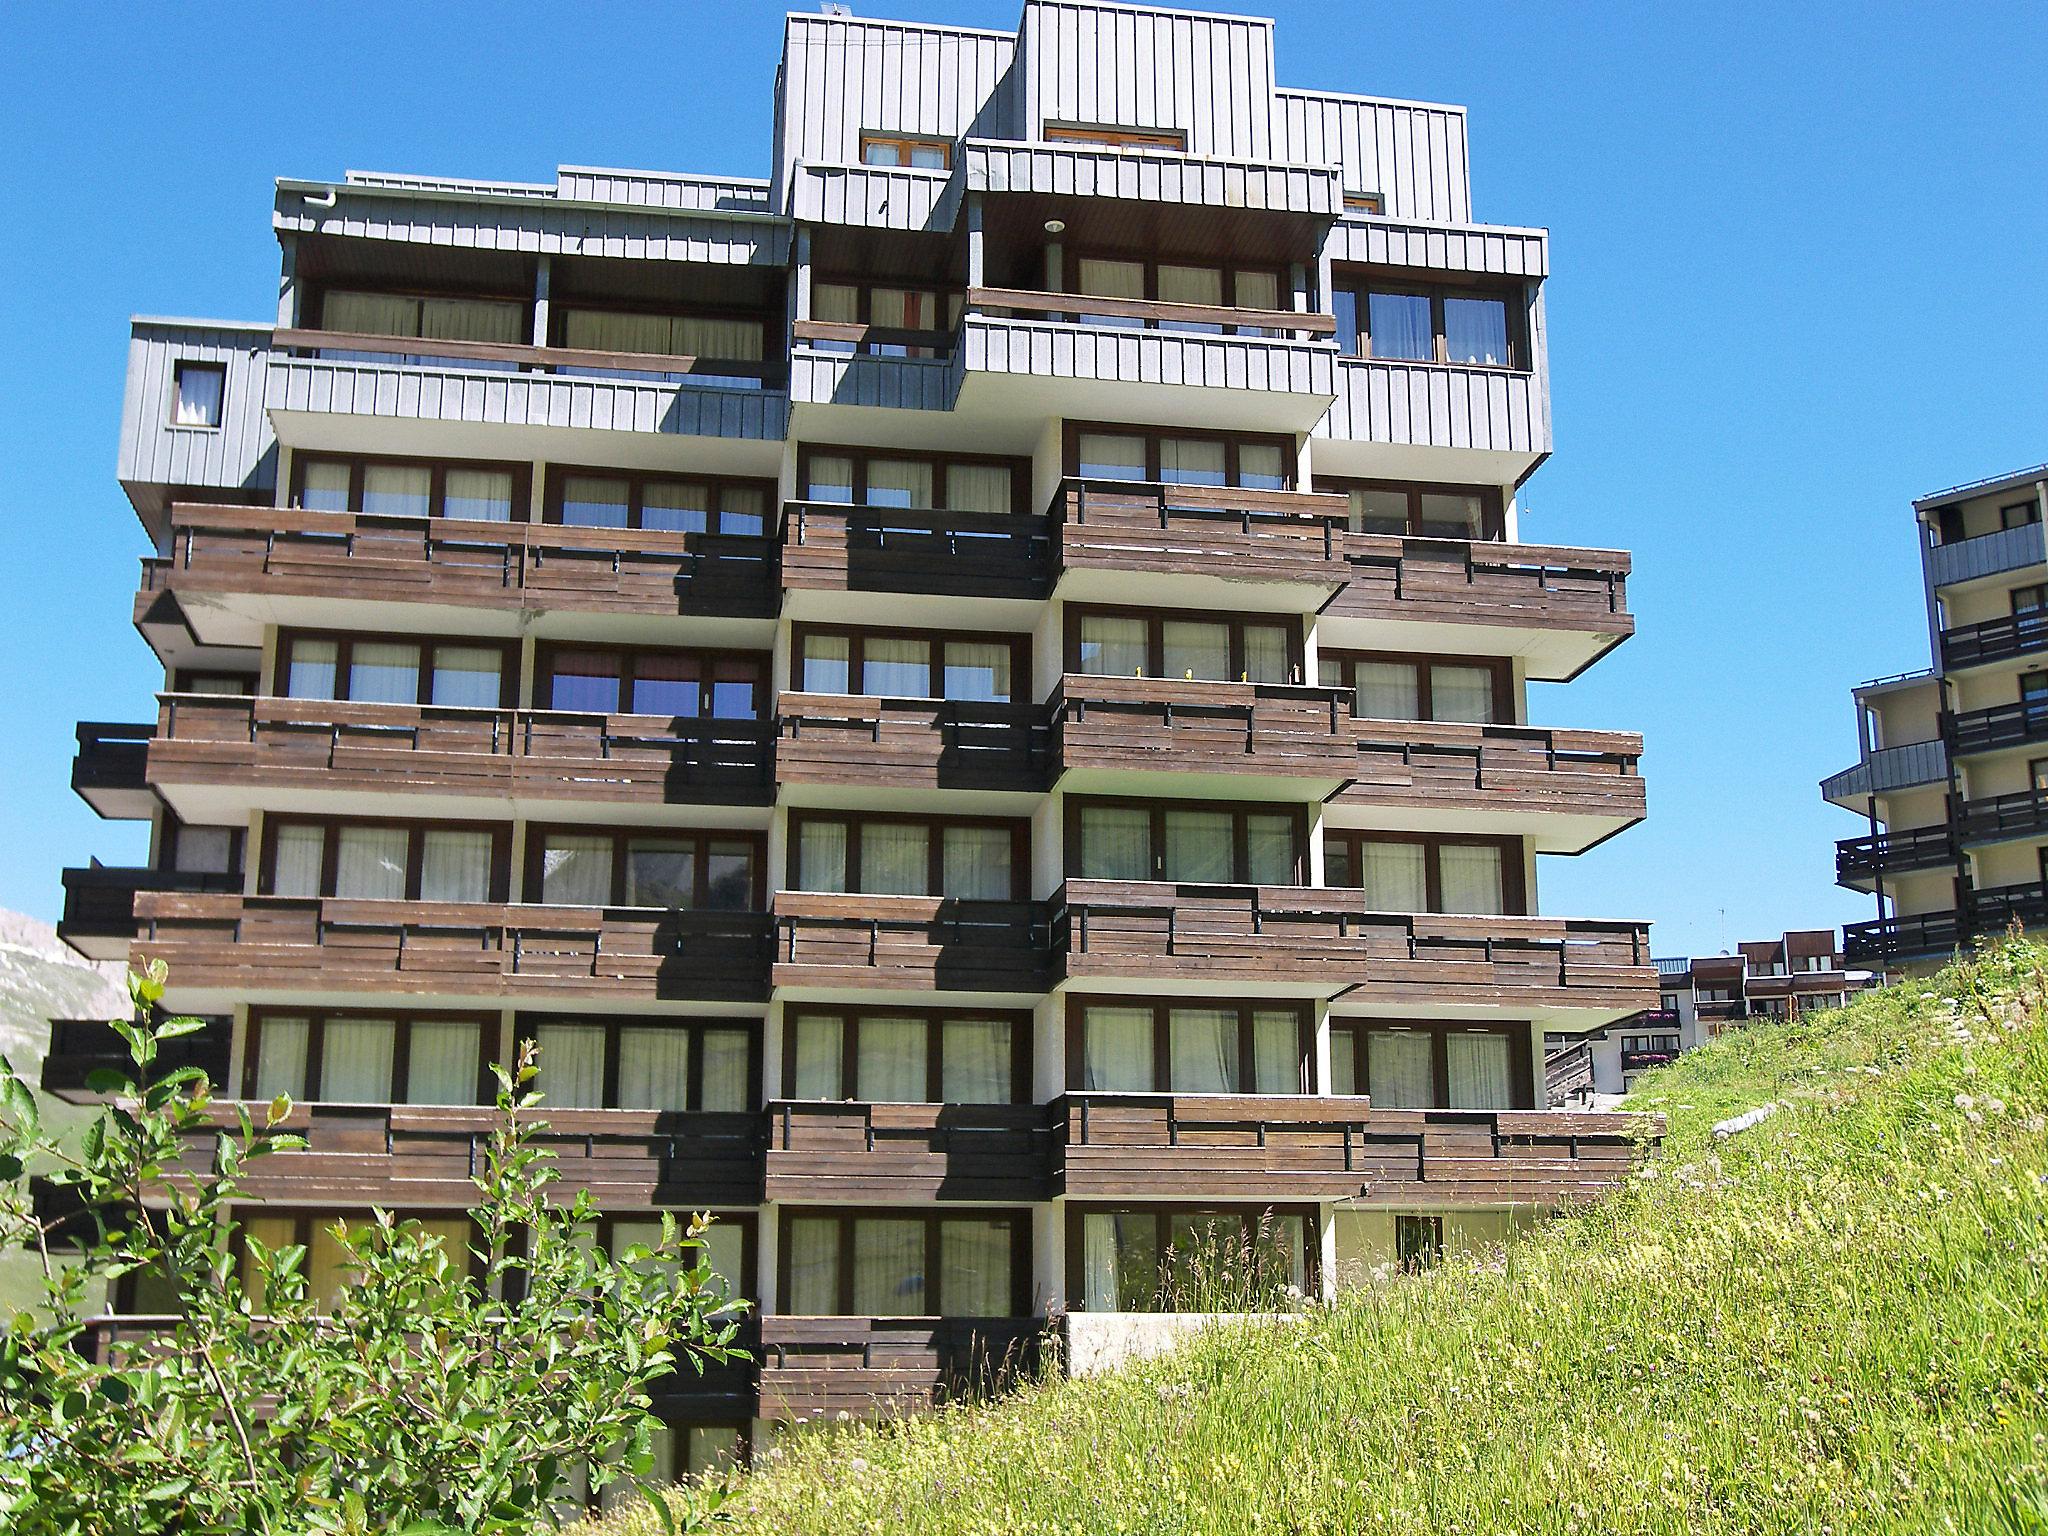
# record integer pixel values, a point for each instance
(971, 695)
(1698, 998)
(1952, 781)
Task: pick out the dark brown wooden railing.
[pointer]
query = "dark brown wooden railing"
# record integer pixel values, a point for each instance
(829, 738)
(854, 1152)
(815, 1368)
(540, 359)
(1078, 307)
(912, 943)
(1202, 727)
(110, 762)
(1425, 764)
(1458, 581)
(1228, 531)
(830, 546)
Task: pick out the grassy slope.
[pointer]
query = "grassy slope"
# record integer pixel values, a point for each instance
(1835, 1321)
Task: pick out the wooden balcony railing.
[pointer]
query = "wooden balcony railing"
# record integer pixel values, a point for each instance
(527, 358)
(832, 547)
(280, 552)
(871, 340)
(860, 1153)
(1994, 818)
(1937, 933)
(910, 943)
(81, 1047)
(1152, 314)
(1568, 1072)
(1429, 765)
(826, 738)
(1144, 723)
(1225, 531)
(1987, 730)
(108, 773)
(100, 916)
(1330, 939)
(536, 754)
(1999, 639)
(815, 1368)
(281, 943)
(1456, 581)
(1865, 858)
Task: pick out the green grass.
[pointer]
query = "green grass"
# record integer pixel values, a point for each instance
(1836, 1321)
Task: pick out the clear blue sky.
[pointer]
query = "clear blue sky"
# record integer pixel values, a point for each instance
(1797, 253)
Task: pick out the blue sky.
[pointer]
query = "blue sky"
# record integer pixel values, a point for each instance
(1796, 253)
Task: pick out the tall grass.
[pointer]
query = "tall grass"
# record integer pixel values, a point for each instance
(1836, 1321)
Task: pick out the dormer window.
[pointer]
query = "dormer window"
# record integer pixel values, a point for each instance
(906, 151)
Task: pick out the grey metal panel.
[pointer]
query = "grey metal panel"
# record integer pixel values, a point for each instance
(1989, 554)
(1129, 66)
(1112, 353)
(238, 454)
(1412, 153)
(663, 189)
(1889, 768)
(534, 227)
(408, 393)
(900, 383)
(1431, 405)
(874, 197)
(456, 185)
(1144, 176)
(1474, 248)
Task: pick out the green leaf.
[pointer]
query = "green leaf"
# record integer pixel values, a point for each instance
(20, 1104)
(107, 1080)
(171, 1029)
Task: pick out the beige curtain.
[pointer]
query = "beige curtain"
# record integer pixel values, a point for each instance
(890, 1060)
(820, 1056)
(355, 1061)
(281, 1057)
(1203, 1045)
(1117, 1046)
(654, 1068)
(295, 867)
(1394, 876)
(571, 1065)
(1398, 1064)
(975, 1061)
(443, 1061)
(978, 488)
(725, 1087)
(1480, 1077)
(1471, 878)
(888, 1267)
(1116, 843)
(813, 1267)
(455, 866)
(974, 1268)
(975, 863)
(370, 863)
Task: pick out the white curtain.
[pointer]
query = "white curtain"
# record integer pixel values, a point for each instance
(599, 330)
(382, 672)
(1191, 285)
(323, 487)
(466, 675)
(813, 1267)
(654, 1068)
(888, 1267)
(1120, 1260)
(1452, 515)
(311, 672)
(477, 495)
(1265, 653)
(976, 863)
(475, 320)
(281, 1057)
(894, 859)
(725, 1087)
(398, 490)
(576, 872)
(725, 1251)
(571, 1065)
(678, 506)
(820, 1056)
(1099, 1262)
(726, 340)
(1387, 690)
(442, 1061)
(821, 856)
(1261, 467)
(1116, 843)
(827, 664)
(199, 389)
(370, 863)
(974, 1268)
(455, 866)
(1204, 1050)
(1479, 1074)
(1117, 1050)
(1394, 876)
(1269, 849)
(977, 672)
(1282, 1248)
(1198, 846)
(370, 314)
(1471, 878)
(829, 478)
(978, 488)
(355, 1061)
(295, 868)
(1276, 1051)
(1190, 461)
(595, 501)
(975, 1061)
(1112, 647)
(899, 483)
(1461, 693)
(890, 1059)
(896, 669)
(204, 850)
(741, 509)
(1344, 1062)
(1399, 1072)
(1103, 456)
(1196, 650)
(1476, 331)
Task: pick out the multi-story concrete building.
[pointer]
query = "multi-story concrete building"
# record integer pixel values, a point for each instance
(971, 694)
(1952, 780)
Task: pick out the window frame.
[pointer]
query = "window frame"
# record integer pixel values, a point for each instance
(416, 830)
(951, 298)
(402, 1021)
(1493, 510)
(179, 370)
(1240, 857)
(1521, 1067)
(1514, 892)
(1071, 433)
(345, 643)
(856, 635)
(554, 488)
(1018, 827)
(526, 1024)
(537, 834)
(562, 304)
(862, 455)
(1076, 1022)
(547, 653)
(1115, 136)
(1365, 202)
(1151, 261)
(174, 829)
(314, 304)
(1018, 1221)
(1156, 620)
(904, 143)
(1425, 663)
(1361, 281)
(437, 493)
(1249, 1215)
(849, 1016)
(2029, 510)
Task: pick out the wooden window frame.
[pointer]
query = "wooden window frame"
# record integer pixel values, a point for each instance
(1116, 137)
(554, 488)
(850, 1016)
(1363, 281)
(402, 1020)
(525, 1026)
(1249, 1216)
(904, 143)
(862, 456)
(1156, 620)
(416, 830)
(1239, 810)
(769, 320)
(1493, 509)
(1019, 828)
(345, 642)
(856, 661)
(537, 836)
(314, 303)
(709, 661)
(1364, 202)
(1514, 885)
(1499, 668)
(1151, 261)
(950, 298)
(1078, 1005)
(1521, 1068)
(179, 369)
(1073, 431)
(174, 828)
(437, 494)
(1018, 1221)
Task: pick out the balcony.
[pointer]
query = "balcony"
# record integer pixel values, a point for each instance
(1561, 609)
(1861, 861)
(1988, 554)
(835, 363)
(1906, 766)
(1565, 790)
(236, 569)
(831, 547)
(108, 772)
(215, 757)
(1302, 198)
(1104, 728)
(1929, 935)
(1121, 539)
(100, 919)
(1455, 421)
(2002, 725)
(859, 1153)
(1643, 1061)
(816, 1368)
(1312, 942)
(831, 742)
(911, 944)
(81, 1047)
(2001, 639)
(256, 948)
(2001, 818)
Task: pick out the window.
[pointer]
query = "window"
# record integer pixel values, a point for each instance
(1179, 458)
(913, 482)
(1202, 284)
(678, 869)
(328, 1267)
(1418, 1242)
(384, 861)
(1149, 643)
(1187, 841)
(204, 850)
(429, 317)
(907, 318)
(481, 493)
(726, 344)
(1430, 1066)
(347, 1057)
(706, 685)
(463, 673)
(956, 858)
(1402, 323)
(614, 499)
(712, 1065)
(1180, 1259)
(2030, 599)
(1364, 202)
(907, 1056)
(913, 664)
(1421, 872)
(1464, 689)
(1399, 509)
(1126, 138)
(898, 1264)
(1210, 1046)
(910, 151)
(197, 391)
(2018, 514)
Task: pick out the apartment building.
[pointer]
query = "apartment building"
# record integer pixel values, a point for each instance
(1954, 759)
(971, 695)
